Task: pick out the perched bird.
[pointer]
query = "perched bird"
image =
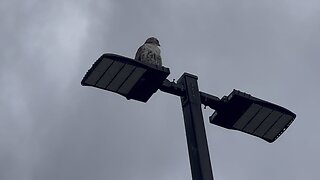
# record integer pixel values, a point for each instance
(149, 52)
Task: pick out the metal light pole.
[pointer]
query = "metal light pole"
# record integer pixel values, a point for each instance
(195, 130)
(238, 111)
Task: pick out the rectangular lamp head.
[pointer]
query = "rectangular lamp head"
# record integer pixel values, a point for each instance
(127, 77)
(242, 112)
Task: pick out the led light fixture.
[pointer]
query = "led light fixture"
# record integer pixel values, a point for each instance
(242, 112)
(127, 77)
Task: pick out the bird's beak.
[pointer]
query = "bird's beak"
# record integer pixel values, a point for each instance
(158, 44)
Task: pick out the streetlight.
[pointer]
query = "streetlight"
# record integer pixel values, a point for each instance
(238, 111)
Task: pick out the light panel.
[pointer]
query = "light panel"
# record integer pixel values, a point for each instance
(127, 77)
(247, 116)
(242, 112)
(259, 117)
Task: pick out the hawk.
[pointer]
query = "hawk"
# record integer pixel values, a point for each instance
(149, 52)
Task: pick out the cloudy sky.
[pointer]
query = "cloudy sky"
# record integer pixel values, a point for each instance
(52, 128)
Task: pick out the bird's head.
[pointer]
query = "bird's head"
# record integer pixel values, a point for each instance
(153, 40)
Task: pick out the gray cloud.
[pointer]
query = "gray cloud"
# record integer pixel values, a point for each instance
(53, 128)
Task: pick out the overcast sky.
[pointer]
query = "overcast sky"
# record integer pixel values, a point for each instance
(52, 128)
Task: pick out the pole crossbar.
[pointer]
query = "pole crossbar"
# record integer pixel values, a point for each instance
(176, 89)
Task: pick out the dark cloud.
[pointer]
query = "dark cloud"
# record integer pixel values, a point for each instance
(53, 128)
